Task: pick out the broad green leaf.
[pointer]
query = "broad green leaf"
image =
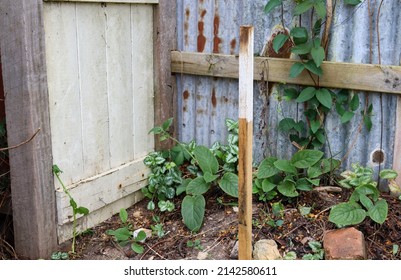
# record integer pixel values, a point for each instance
(347, 213)
(317, 27)
(306, 94)
(314, 182)
(82, 210)
(320, 136)
(352, 2)
(285, 165)
(267, 169)
(197, 186)
(316, 246)
(229, 184)
(315, 125)
(123, 215)
(354, 104)
(206, 160)
(179, 154)
(121, 234)
(287, 188)
(286, 124)
(365, 201)
(300, 35)
(137, 248)
(166, 125)
(151, 205)
(324, 97)
(156, 130)
(379, 211)
(318, 55)
(183, 187)
(388, 174)
(290, 94)
(302, 48)
(209, 177)
(279, 41)
(306, 158)
(140, 236)
(347, 116)
(267, 186)
(193, 211)
(320, 7)
(296, 69)
(303, 185)
(271, 5)
(291, 255)
(367, 120)
(311, 66)
(303, 7)
(73, 204)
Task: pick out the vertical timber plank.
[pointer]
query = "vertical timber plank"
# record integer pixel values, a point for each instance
(165, 29)
(397, 142)
(27, 108)
(64, 90)
(142, 71)
(119, 61)
(92, 45)
(245, 142)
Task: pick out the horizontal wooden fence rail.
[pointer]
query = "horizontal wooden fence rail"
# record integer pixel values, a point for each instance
(363, 77)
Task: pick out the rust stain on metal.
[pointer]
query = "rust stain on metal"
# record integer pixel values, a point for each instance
(216, 39)
(285, 51)
(185, 94)
(186, 25)
(233, 44)
(201, 38)
(214, 100)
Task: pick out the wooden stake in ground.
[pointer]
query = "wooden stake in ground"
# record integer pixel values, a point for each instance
(245, 143)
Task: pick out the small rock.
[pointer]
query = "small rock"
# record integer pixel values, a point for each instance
(266, 249)
(202, 256)
(234, 251)
(344, 244)
(235, 209)
(137, 214)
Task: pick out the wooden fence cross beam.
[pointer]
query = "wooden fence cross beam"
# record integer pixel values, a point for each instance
(245, 143)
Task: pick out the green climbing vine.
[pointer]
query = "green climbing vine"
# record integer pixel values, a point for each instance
(310, 47)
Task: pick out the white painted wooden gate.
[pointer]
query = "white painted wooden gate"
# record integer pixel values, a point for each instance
(100, 77)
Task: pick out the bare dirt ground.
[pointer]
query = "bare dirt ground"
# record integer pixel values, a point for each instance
(219, 231)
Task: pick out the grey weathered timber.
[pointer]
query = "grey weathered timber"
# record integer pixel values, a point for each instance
(165, 41)
(25, 85)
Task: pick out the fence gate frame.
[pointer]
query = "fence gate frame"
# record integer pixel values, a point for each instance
(23, 56)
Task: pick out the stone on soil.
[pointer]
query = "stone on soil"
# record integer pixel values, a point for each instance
(344, 244)
(234, 251)
(266, 249)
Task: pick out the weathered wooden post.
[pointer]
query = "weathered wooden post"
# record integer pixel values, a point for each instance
(245, 143)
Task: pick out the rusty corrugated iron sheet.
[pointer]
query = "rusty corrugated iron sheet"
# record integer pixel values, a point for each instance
(204, 103)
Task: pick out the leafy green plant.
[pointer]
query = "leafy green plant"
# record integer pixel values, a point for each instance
(75, 209)
(288, 177)
(157, 229)
(59, 256)
(124, 235)
(196, 244)
(205, 168)
(291, 255)
(365, 199)
(317, 249)
(163, 180)
(309, 47)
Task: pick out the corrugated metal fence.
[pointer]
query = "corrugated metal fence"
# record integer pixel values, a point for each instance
(212, 26)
